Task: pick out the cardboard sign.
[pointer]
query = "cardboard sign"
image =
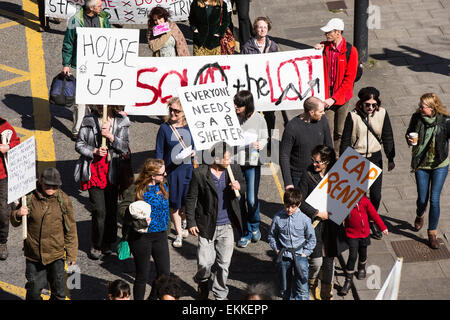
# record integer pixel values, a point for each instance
(278, 81)
(21, 169)
(210, 113)
(106, 64)
(121, 11)
(160, 29)
(344, 185)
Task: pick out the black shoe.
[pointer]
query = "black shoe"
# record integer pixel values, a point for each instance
(203, 290)
(376, 233)
(361, 274)
(95, 254)
(347, 284)
(74, 137)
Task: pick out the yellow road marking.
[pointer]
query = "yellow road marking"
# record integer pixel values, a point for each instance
(8, 24)
(14, 81)
(45, 146)
(24, 75)
(277, 181)
(14, 70)
(17, 291)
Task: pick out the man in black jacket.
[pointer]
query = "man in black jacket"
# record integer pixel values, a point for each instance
(212, 210)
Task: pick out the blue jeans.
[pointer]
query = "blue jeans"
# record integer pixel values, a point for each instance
(288, 277)
(429, 186)
(251, 218)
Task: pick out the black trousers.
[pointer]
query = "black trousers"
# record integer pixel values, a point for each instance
(142, 246)
(245, 26)
(104, 216)
(375, 188)
(5, 211)
(38, 276)
(357, 247)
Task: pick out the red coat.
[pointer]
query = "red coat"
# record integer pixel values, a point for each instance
(4, 125)
(357, 222)
(346, 74)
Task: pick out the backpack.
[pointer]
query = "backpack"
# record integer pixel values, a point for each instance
(61, 205)
(62, 90)
(360, 69)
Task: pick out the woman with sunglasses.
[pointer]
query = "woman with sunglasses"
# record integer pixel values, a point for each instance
(367, 128)
(429, 159)
(330, 238)
(173, 143)
(149, 187)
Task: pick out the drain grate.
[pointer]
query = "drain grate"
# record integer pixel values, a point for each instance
(336, 5)
(415, 251)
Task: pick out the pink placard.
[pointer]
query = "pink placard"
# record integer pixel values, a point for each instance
(160, 29)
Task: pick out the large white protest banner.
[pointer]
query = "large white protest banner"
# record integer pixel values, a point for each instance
(344, 185)
(121, 11)
(278, 81)
(106, 65)
(210, 113)
(21, 169)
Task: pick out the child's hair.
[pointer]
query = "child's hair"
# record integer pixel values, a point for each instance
(118, 289)
(259, 291)
(168, 285)
(292, 197)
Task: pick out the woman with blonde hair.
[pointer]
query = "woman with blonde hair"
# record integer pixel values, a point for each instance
(429, 161)
(175, 146)
(149, 187)
(209, 20)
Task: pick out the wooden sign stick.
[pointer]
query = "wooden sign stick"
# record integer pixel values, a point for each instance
(230, 173)
(24, 219)
(105, 118)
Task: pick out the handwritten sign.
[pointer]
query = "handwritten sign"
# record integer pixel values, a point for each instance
(106, 63)
(344, 185)
(278, 81)
(121, 11)
(21, 169)
(209, 111)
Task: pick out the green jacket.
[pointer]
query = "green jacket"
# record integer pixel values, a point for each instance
(69, 48)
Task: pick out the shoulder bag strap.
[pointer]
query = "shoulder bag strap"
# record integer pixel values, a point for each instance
(369, 127)
(178, 136)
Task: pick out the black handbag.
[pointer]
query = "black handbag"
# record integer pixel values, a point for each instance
(62, 90)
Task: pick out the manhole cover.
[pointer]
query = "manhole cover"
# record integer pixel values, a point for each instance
(336, 5)
(415, 251)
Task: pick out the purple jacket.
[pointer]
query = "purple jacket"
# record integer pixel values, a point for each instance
(251, 48)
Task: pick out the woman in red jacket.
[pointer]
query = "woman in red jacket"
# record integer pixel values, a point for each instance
(358, 238)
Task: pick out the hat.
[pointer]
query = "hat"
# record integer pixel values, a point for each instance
(367, 92)
(333, 24)
(51, 177)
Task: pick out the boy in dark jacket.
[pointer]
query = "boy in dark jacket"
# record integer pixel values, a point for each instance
(52, 231)
(212, 210)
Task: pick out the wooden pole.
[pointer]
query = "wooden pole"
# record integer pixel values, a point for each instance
(105, 118)
(230, 173)
(24, 219)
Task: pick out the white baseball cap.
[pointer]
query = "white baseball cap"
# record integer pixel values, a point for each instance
(333, 24)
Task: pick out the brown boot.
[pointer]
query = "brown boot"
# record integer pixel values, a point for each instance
(432, 238)
(418, 223)
(326, 291)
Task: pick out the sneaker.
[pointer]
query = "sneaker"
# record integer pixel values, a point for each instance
(95, 254)
(243, 242)
(3, 251)
(178, 242)
(256, 236)
(184, 233)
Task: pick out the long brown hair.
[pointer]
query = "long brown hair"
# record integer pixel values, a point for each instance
(433, 101)
(202, 3)
(149, 169)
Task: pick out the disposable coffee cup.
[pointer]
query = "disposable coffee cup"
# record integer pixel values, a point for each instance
(415, 137)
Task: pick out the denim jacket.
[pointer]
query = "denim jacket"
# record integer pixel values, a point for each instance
(291, 231)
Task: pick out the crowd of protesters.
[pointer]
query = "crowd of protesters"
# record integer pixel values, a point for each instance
(215, 200)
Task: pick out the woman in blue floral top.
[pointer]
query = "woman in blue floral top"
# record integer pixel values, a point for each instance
(149, 187)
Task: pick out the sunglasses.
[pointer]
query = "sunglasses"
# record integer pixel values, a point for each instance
(318, 162)
(159, 174)
(423, 106)
(176, 111)
(368, 105)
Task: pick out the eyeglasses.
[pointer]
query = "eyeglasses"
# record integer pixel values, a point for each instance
(160, 174)
(176, 111)
(49, 186)
(318, 162)
(369, 105)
